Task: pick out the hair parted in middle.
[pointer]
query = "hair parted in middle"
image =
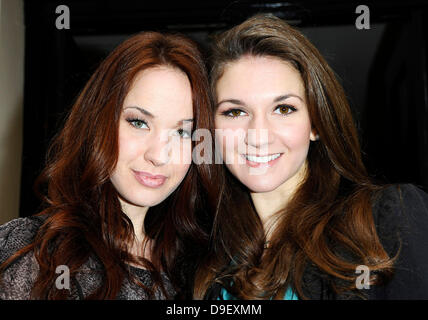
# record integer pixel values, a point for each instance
(329, 213)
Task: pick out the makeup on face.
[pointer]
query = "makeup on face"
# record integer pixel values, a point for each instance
(154, 137)
(264, 98)
(149, 180)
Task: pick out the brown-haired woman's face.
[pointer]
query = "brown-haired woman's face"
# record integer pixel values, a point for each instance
(154, 137)
(262, 122)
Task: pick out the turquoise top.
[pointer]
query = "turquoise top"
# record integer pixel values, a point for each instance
(289, 295)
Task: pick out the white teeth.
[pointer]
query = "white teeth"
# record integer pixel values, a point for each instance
(263, 159)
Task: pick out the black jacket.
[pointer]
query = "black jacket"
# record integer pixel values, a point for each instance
(401, 216)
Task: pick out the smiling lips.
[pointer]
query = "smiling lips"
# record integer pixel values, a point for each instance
(259, 161)
(149, 180)
(155, 181)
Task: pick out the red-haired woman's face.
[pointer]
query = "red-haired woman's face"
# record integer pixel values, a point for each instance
(264, 121)
(154, 137)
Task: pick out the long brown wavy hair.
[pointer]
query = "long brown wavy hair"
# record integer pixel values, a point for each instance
(84, 216)
(328, 222)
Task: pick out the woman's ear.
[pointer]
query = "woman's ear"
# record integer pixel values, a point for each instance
(314, 136)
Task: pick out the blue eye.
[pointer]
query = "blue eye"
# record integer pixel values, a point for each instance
(138, 123)
(284, 109)
(183, 133)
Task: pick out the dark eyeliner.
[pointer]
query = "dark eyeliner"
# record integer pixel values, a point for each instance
(228, 111)
(293, 109)
(132, 120)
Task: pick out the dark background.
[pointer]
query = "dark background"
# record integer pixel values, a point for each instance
(383, 70)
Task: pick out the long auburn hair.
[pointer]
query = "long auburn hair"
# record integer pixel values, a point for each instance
(84, 216)
(328, 222)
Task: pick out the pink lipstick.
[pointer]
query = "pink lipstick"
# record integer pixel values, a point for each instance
(149, 180)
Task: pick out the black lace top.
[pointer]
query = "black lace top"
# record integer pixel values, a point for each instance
(17, 280)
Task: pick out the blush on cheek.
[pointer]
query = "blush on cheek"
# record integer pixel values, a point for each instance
(129, 148)
(231, 143)
(296, 136)
(229, 151)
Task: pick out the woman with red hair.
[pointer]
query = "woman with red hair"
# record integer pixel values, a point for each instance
(125, 207)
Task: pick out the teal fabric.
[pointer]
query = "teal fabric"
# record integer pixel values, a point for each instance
(225, 295)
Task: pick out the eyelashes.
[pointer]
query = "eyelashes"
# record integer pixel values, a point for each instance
(185, 134)
(137, 123)
(283, 109)
(142, 124)
(232, 113)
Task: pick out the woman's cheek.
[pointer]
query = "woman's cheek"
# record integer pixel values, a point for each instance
(294, 135)
(129, 147)
(181, 152)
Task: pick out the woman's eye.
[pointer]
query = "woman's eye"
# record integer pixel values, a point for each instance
(137, 123)
(284, 109)
(183, 133)
(233, 113)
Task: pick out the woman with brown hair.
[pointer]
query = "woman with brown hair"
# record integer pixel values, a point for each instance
(299, 216)
(125, 208)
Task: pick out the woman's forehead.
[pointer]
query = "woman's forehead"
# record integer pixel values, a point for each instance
(259, 76)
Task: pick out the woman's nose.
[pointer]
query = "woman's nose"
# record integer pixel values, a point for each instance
(157, 151)
(258, 134)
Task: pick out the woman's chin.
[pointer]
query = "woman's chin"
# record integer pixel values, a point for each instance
(260, 186)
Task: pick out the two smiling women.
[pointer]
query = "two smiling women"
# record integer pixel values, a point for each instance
(291, 214)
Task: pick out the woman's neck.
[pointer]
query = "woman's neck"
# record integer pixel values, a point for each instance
(141, 246)
(267, 204)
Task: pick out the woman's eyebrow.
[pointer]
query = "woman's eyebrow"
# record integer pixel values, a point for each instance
(286, 96)
(233, 101)
(142, 110)
(147, 113)
(277, 99)
(184, 120)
